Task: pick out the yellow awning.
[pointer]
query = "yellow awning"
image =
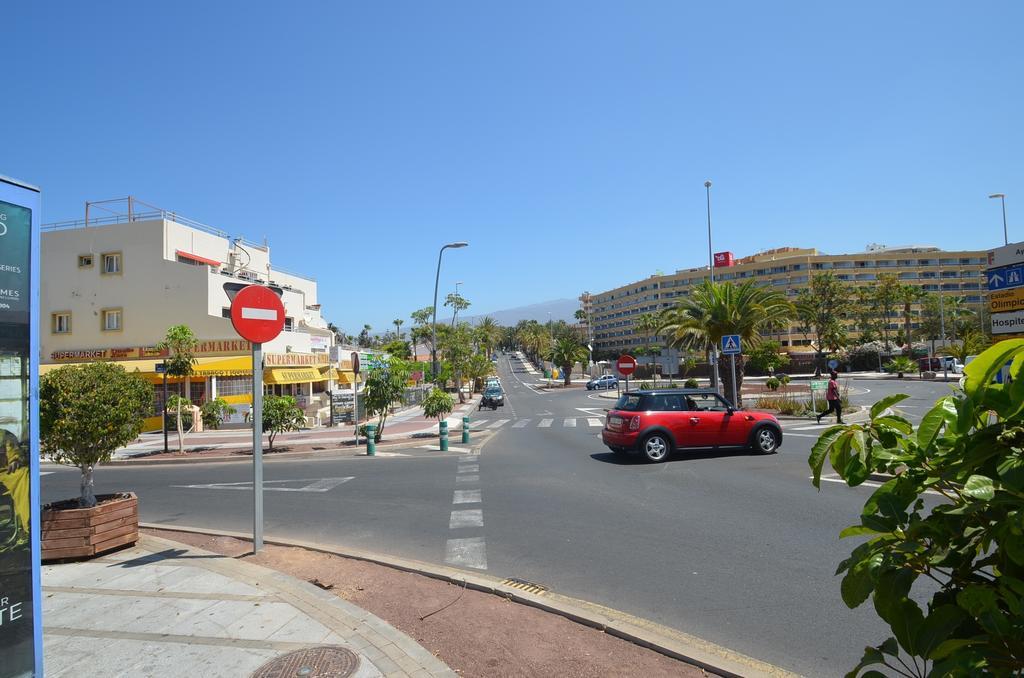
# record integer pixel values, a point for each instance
(292, 375)
(145, 368)
(237, 366)
(343, 376)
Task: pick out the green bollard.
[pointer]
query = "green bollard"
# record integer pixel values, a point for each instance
(465, 430)
(443, 426)
(371, 440)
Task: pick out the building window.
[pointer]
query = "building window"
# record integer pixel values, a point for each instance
(84, 261)
(111, 263)
(230, 386)
(111, 320)
(197, 392)
(60, 323)
(289, 323)
(225, 312)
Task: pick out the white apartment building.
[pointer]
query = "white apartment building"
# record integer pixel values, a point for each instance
(113, 283)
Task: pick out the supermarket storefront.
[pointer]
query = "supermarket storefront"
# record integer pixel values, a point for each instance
(223, 369)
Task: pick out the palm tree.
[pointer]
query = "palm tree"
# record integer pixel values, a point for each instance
(397, 322)
(565, 353)
(716, 309)
(489, 333)
(909, 295)
(648, 324)
(974, 342)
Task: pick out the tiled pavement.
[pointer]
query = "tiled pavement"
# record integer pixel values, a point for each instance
(163, 608)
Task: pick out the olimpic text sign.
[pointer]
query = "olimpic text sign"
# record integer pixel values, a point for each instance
(1006, 300)
(20, 598)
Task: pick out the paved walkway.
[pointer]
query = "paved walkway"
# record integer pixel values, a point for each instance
(163, 608)
(402, 426)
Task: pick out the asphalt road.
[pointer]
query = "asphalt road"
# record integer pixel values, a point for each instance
(735, 548)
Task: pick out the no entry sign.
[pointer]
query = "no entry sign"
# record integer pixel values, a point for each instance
(257, 314)
(626, 365)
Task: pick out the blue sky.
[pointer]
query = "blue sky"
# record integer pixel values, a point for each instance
(567, 141)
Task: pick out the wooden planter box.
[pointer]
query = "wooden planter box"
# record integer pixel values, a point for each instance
(69, 532)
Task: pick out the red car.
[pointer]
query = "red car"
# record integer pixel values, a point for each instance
(654, 423)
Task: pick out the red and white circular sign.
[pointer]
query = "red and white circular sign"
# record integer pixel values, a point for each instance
(257, 314)
(626, 365)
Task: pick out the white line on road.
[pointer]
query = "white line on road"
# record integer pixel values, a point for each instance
(594, 422)
(318, 485)
(499, 423)
(470, 552)
(468, 478)
(469, 468)
(570, 422)
(545, 423)
(521, 423)
(466, 497)
(466, 518)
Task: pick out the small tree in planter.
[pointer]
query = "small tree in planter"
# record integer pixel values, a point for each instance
(384, 387)
(86, 412)
(281, 413)
(214, 411)
(900, 365)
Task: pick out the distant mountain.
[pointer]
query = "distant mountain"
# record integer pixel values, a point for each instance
(559, 309)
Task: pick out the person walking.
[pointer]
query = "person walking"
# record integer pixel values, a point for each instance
(832, 397)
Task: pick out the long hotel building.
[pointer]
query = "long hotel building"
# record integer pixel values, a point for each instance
(789, 270)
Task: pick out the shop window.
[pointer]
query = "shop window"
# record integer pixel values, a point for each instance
(84, 261)
(289, 323)
(111, 263)
(197, 392)
(231, 386)
(60, 323)
(111, 320)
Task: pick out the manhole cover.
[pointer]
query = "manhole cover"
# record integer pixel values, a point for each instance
(314, 662)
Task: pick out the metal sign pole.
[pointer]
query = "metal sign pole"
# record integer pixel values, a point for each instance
(355, 405)
(164, 413)
(257, 447)
(735, 394)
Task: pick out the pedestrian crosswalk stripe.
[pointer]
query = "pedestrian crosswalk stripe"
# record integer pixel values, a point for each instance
(570, 421)
(499, 423)
(594, 421)
(545, 423)
(521, 423)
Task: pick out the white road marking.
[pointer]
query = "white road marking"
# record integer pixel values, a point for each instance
(594, 422)
(812, 427)
(545, 423)
(468, 478)
(249, 313)
(834, 478)
(521, 423)
(466, 497)
(499, 423)
(318, 485)
(45, 473)
(570, 422)
(592, 411)
(800, 435)
(470, 552)
(469, 468)
(466, 518)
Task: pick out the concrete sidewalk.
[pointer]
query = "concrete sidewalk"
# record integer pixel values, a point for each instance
(406, 425)
(163, 608)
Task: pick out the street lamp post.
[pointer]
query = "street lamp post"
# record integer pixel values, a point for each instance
(1002, 199)
(713, 352)
(433, 324)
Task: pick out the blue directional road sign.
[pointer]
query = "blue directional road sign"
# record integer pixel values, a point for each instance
(1005, 278)
(731, 344)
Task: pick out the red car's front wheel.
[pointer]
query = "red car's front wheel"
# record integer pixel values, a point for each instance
(655, 447)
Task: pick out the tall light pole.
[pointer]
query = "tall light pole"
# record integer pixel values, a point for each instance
(713, 352)
(1002, 199)
(433, 324)
(455, 308)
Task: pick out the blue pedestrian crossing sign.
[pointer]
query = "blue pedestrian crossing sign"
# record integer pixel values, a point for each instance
(731, 344)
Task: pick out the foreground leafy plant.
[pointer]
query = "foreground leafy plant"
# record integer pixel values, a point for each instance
(968, 450)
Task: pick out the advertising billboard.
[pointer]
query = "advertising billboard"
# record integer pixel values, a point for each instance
(20, 625)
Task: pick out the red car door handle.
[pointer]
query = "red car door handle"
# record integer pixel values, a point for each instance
(694, 420)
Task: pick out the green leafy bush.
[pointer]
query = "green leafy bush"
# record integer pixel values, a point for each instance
(213, 412)
(785, 379)
(691, 383)
(783, 404)
(438, 404)
(900, 365)
(280, 414)
(772, 384)
(967, 552)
